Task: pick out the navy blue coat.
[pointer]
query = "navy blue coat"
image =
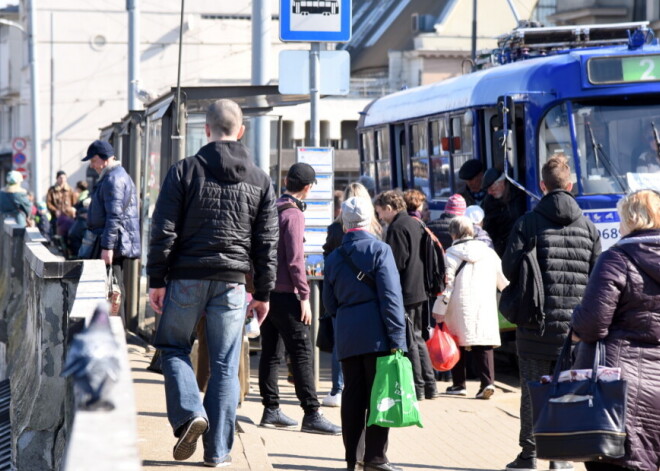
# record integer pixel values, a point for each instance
(366, 321)
(113, 213)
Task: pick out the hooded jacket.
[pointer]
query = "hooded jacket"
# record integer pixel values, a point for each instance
(469, 301)
(621, 305)
(214, 215)
(14, 203)
(567, 247)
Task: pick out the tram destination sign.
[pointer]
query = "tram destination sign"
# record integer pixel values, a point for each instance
(315, 20)
(624, 69)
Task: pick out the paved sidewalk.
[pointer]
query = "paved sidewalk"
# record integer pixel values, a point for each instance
(461, 434)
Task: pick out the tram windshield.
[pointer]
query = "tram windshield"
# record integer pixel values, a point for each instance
(617, 143)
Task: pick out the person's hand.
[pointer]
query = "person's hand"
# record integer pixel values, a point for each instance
(156, 298)
(575, 337)
(439, 318)
(394, 350)
(260, 308)
(306, 312)
(106, 256)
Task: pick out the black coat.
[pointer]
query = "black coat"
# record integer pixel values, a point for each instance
(567, 247)
(501, 215)
(333, 239)
(404, 235)
(621, 305)
(440, 228)
(214, 215)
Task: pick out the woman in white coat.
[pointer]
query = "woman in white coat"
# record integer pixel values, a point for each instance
(468, 305)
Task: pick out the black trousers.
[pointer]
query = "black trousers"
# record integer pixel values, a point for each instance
(418, 353)
(283, 328)
(531, 369)
(359, 373)
(484, 363)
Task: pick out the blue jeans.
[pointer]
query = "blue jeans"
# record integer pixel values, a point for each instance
(223, 303)
(337, 374)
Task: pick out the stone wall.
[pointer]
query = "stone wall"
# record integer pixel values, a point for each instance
(44, 300)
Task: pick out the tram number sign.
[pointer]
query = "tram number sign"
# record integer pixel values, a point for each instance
(624, 69)
(641, 68)
(607, 222)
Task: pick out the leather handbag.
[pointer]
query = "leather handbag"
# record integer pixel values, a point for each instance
(579, 420)
(325, 338)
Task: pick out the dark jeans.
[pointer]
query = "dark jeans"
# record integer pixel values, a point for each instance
(419, 354)
(359, 372)
(484, 362)
(530, 370)
(283, 321)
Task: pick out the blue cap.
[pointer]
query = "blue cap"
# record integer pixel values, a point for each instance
(101, 148)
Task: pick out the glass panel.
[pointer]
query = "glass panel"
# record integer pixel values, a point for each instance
(195, 136)
(461, 140)
(422, 181)
(384, 175)
(367, 139)
(419, 144)
(618, 144)
(440, 160)
(383, 142)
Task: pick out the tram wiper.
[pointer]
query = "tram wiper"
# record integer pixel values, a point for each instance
(607, 163)
(656, 136)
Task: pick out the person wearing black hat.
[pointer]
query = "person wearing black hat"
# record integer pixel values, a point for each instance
(472, 173)
(215, 220)
(291, 315)
(112, 216)
(503, 205)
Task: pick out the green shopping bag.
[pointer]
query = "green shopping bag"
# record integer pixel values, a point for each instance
(393, 399)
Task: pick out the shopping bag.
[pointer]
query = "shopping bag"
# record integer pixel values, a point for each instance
(114, 292)
(325, 339)
(393, 399)
(443, 348)
(579, 420)
(90, 247)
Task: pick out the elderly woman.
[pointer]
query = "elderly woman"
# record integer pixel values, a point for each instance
(621, 306)
(14, 201)
(369, 323)
(469, 307)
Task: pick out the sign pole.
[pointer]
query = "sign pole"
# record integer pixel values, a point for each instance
(315, 94)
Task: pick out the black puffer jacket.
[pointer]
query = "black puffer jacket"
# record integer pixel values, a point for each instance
(567, 247)
(215, 214)
(440, 228)
(622, 306)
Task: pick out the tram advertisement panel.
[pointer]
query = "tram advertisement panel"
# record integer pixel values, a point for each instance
(607, 222)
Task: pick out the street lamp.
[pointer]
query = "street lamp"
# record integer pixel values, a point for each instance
(34, 105)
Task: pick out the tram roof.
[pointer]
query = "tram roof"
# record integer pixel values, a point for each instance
(482, 88)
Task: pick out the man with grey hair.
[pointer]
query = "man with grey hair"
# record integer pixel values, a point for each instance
(215, 218)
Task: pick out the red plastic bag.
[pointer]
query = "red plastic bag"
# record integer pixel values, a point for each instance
(443, 349)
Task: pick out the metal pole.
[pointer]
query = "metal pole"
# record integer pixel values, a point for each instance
(278, 178)
(261, 19)
(514, 11)
(315, 300)
(34, 98)
(133, 53)
(474, 33)
(178, 74)
(51, 177)
(314, 94)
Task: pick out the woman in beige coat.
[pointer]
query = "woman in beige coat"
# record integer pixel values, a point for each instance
(468, 305)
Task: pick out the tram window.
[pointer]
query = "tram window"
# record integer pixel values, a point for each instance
(383, 164)
(383, 143)
(555, 138)
(439, 160)
(367, 144)
(418, 146)
(384, 175)
(462, 152)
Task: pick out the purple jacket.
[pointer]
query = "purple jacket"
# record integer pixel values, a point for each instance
(291, 276)
(622, 306)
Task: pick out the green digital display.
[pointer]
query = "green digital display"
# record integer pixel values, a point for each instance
(624, 69)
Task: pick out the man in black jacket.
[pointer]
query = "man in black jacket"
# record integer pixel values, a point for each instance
(214, 218)
(567, 246)
(404, 235)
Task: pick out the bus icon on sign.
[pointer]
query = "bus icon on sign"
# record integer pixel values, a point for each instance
(315, 7)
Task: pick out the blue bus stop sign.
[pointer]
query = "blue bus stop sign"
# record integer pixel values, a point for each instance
(315, 20)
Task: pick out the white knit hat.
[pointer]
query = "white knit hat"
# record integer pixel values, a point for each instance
(356, 212)
(14, 177)
(475, 213)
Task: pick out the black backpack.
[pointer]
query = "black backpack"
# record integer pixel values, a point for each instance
(433, 258)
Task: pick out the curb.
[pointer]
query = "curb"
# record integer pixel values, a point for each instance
(254, 447)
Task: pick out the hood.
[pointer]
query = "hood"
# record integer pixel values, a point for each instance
(560, 207)
(643, 247)
(470, 250)
(16, 188)
(227, 161)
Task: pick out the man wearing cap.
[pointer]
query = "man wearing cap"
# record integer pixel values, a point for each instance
(472, 173)
(113, 211)
(503, 205)
(455, 206)
(60, 200)
(215, 218)
(291, 315)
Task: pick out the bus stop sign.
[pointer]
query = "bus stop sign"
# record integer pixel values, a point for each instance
(315, 20)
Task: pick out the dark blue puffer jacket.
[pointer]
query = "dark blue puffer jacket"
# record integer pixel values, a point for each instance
(113, 213)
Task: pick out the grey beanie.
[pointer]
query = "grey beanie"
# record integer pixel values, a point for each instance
(356, 213)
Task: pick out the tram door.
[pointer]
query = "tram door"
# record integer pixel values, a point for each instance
(401, 158)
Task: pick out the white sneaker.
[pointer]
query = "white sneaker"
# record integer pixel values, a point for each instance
(486, 392)
(332, 400)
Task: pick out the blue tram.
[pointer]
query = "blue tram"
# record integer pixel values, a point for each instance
(590, 92)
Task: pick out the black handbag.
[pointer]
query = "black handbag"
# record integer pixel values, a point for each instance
(325, 339)
(579, 420)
